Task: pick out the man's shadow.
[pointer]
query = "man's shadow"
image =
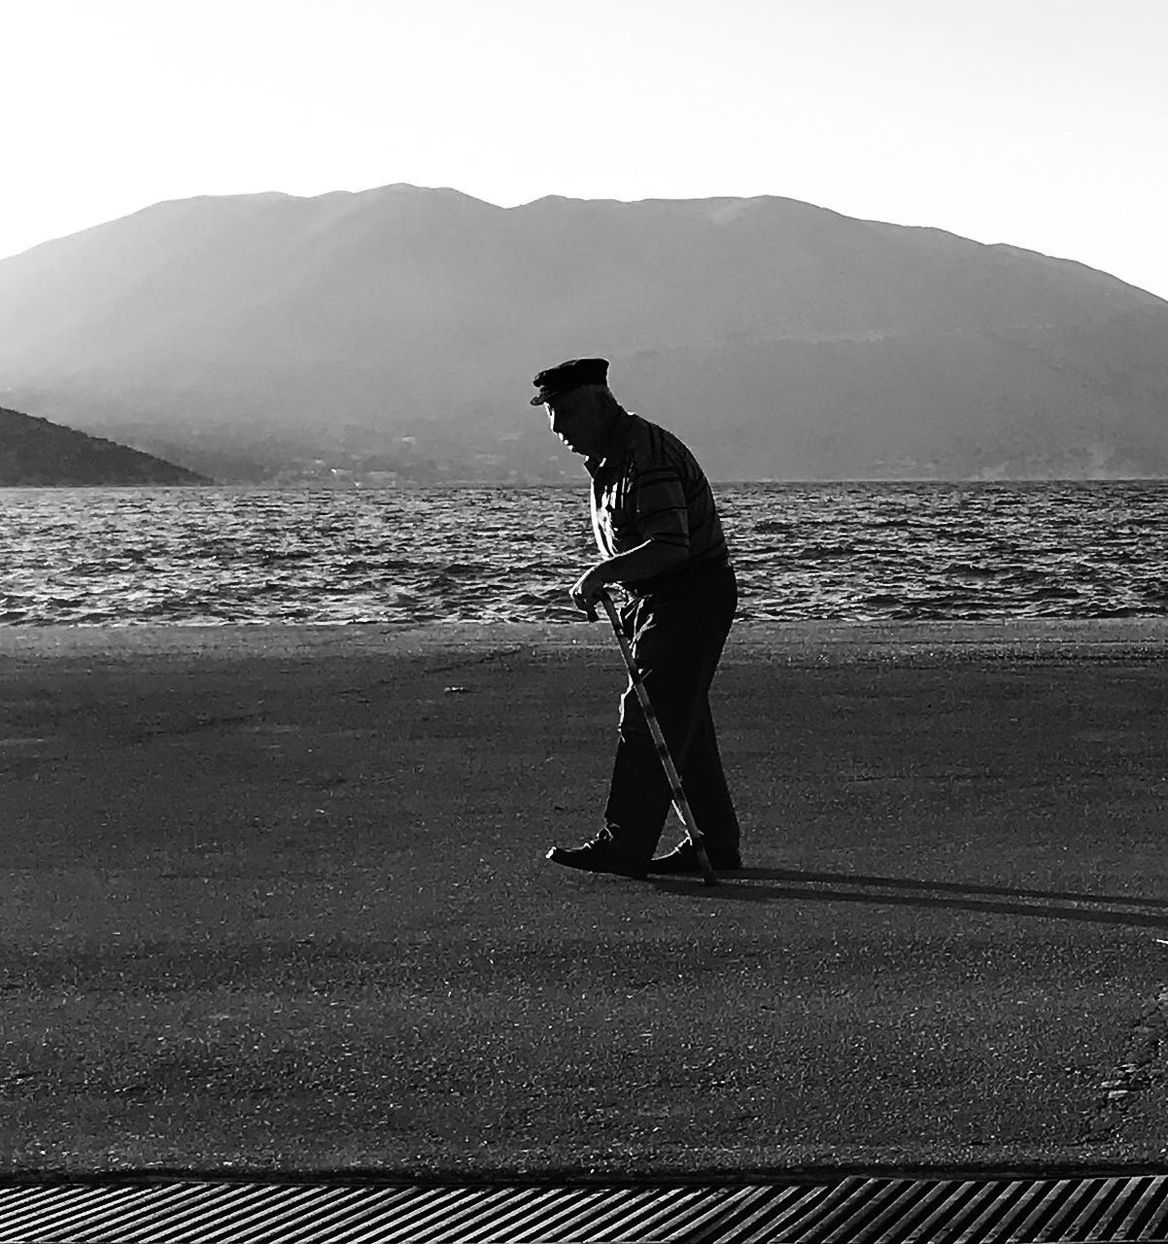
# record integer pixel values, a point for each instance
(832, 887)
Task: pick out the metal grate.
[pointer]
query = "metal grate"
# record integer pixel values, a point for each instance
(1119, 1209)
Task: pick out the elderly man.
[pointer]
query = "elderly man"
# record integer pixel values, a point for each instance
(660, 538)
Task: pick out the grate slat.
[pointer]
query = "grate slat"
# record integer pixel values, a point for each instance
(210, 1223)
(259, 1225)
(1047, 1205)
(864, 1207)
(528, 1203)
(545, 1219)
(377, 1205)
(794, 1223)
(1033, 1191)
(1120, 1209)
(450, 1225)
(777, 1209)
(1093, 1209)
(336, 1212)
(529, 1219)
(822, 1213)
(1110, 1211)
(664, 1213)
(413, 1220)
(589, 1213)
(727, 1214)
(996, 1221)
(58, 1209)
(16, 1203)
(1067, 1211)
(926, 1206)
(140, 1211)
(889, 1224)
(945, 1198)
(390, 1217)
(1148, 1214)
(1096, 1205)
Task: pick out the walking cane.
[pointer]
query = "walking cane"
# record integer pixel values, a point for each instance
(680, 803)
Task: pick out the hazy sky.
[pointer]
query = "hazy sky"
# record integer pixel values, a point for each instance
(1042, 123)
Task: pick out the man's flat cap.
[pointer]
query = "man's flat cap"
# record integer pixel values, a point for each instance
(569, 375)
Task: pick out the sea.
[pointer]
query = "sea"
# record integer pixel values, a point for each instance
(827, 551)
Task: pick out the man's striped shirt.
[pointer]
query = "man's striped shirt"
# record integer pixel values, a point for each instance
(649, 486)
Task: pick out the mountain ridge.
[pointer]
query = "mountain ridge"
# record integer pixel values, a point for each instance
(36, 453)
(271, 327)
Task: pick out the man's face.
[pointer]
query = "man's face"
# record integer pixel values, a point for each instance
(580, 418)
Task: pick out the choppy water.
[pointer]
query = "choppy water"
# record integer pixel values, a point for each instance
(831, 551)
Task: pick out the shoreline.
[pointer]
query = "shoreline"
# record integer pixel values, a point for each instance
(1067, 638)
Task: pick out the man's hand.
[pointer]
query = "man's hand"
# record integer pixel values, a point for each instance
(585, 592)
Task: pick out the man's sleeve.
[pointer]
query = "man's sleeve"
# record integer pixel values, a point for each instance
(659, 507)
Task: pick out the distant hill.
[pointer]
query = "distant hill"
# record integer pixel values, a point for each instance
(395, 332)
(37, 453)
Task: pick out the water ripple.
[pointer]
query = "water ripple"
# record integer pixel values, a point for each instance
(848, 552)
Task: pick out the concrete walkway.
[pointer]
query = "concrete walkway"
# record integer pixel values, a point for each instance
(277, 901)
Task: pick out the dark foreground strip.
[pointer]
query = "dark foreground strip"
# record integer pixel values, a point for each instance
(855, 1210)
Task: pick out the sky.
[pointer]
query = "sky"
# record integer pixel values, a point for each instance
(1040, 123)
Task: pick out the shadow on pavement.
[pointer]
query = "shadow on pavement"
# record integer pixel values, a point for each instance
(749, 885)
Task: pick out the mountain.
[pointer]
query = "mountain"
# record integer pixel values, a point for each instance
(36, 453)
(396, 331)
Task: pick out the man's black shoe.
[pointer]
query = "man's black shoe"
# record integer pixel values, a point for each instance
(597, 857)
(684, 859)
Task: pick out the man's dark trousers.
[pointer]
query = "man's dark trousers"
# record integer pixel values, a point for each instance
(677, 634)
